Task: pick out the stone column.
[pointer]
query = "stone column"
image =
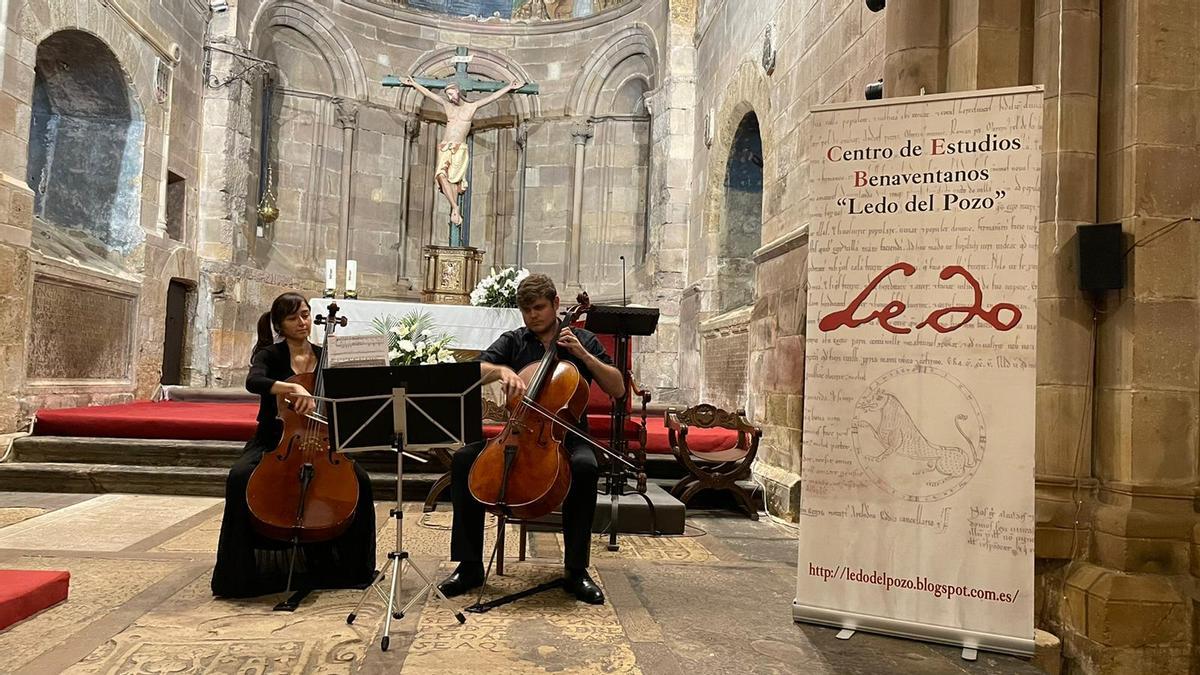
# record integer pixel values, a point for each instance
(1130, 603)
(668, 361)
(988, 44)
(347, 120)
(913, 43)
(497, 224)
(1065, 322)
(167, 95)
(522, 160)
(432, 131)
(580, 134)
(412, 128)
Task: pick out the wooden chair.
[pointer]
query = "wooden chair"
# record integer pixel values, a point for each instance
(718, 469)
(598, 410)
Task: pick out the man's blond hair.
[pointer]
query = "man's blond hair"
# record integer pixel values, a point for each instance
(535, 287)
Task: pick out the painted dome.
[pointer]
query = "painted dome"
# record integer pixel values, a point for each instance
(518, 10)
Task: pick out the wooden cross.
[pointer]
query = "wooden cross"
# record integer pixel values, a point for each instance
(460, 77)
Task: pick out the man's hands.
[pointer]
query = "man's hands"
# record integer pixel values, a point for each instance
(568, 341)
(301, 401)
(511, 383)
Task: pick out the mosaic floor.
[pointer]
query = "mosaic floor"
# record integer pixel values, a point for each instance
(717, 600)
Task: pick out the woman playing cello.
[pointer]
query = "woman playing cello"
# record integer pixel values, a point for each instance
(247, 563)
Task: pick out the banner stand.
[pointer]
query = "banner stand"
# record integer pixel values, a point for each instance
(917, 496)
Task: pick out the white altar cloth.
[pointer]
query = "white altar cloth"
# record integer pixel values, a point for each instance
(473, 328)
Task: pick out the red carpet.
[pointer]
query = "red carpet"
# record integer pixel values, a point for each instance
(192, 421)
(145, 419)
(24, 593)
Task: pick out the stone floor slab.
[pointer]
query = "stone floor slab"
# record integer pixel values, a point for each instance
(15, 514)
(718, 600)
(98, 587)
(106, 523)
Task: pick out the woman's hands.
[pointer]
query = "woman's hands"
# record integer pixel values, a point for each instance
(298, 398)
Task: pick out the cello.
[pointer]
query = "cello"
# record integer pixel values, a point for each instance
(303, 491)
(525, 471)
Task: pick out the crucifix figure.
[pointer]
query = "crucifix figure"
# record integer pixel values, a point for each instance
(453, 158)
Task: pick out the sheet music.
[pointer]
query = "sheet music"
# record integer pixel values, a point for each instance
(348, 351)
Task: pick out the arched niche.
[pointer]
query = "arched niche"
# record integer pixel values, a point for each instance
(301, 142)
(741, 218)
(86, 142)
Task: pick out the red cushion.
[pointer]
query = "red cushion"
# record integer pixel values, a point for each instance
(600, 427)
(24, 593)
(181, 420)
(600, 403)
(698, 440)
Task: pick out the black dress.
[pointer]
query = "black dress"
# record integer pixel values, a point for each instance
(249, 564)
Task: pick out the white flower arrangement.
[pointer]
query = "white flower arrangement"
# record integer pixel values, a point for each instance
(412, 342)
(499, 289)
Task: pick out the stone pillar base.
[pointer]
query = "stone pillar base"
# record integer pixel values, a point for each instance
(1116, 622)
(1047, 654)
(781, 490)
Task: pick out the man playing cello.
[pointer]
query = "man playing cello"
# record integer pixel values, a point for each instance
(538, 301)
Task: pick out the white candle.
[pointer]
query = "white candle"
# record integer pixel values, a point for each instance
(330, 274)
(351, 276)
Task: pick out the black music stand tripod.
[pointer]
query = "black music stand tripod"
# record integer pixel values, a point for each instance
(622, 322)
(410, 421)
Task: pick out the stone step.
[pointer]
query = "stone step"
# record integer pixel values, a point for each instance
(204, 481)
(136, 451)
(167, 453)
(219, 454)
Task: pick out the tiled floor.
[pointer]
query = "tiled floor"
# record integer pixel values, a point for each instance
(715, 601)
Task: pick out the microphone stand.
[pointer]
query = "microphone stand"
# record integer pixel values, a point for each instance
(615, 483)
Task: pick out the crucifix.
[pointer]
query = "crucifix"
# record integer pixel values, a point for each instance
(453, 154)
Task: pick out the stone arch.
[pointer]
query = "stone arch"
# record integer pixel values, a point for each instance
(136, 57)
(86, 141)
(439, 64)
(633, 42)
(314, 23)
(748, 93)
(626, 95)
(742, 216)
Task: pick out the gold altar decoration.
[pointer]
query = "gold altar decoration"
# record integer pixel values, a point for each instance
(451, 273)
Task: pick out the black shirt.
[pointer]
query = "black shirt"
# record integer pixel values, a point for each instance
(520, 347)
(268, 366)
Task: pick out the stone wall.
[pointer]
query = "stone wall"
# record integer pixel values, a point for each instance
(593, 75)
(823, 52)
(1118, 412)
(157, 51)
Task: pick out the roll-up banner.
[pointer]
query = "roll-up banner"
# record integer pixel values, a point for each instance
(918, 470)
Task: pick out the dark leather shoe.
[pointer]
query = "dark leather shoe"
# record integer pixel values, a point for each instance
(579, 584)
(466, 577)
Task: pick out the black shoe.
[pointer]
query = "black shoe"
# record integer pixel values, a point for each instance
(579, 584)
(466, 577)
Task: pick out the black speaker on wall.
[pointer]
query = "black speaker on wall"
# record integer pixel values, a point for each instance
(1101, 260)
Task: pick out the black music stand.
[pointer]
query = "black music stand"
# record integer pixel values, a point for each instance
(622, 321)
(401, 408)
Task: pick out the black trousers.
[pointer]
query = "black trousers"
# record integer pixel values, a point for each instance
(249, 564)
(466, 536)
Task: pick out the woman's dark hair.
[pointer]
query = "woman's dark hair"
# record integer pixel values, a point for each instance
(271, 322)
